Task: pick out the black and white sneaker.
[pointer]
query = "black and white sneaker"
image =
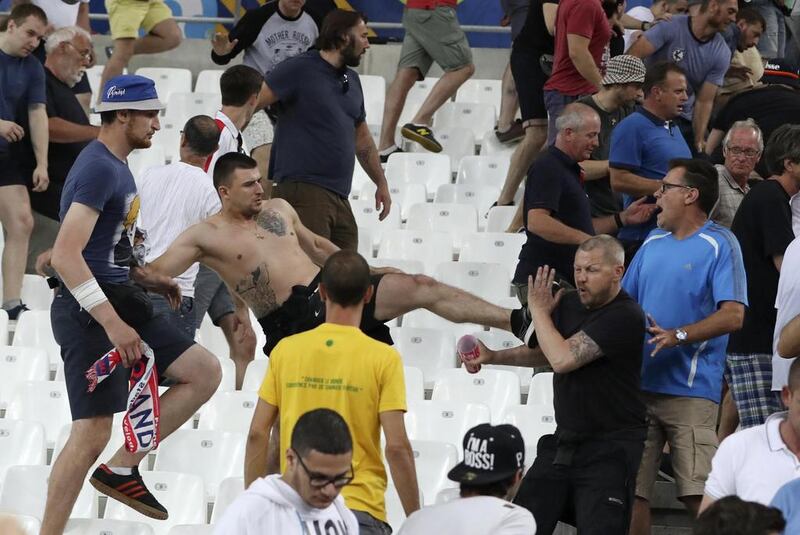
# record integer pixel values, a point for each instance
(421, 134)
(129, 490)
(385, 157)
(522, 324)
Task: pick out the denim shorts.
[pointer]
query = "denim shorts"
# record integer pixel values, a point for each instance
(183, 318)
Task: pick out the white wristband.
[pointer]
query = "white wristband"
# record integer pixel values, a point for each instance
(88, 294)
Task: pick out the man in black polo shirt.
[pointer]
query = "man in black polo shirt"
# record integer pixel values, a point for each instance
(321, 125)
(68, 55)
(556, 211)
(592, 337)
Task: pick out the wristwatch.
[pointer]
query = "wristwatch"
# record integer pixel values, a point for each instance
(681, 335)
(646, 26)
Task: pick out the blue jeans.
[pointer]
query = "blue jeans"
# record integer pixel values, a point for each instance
(183, 318)
(555, 103)
(369, 525)
(773, 41)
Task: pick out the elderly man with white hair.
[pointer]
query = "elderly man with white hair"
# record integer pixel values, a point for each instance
(742, 147)
(68, 55)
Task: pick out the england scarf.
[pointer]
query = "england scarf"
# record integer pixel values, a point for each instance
(140, 424)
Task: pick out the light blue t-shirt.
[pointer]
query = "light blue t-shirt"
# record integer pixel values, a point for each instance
(703, 61)
(788, 501)
(644, 144)
(680, 282)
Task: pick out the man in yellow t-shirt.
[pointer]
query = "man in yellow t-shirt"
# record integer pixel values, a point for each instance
(338, 367)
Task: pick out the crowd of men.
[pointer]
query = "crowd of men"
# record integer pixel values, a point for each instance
(674, 335)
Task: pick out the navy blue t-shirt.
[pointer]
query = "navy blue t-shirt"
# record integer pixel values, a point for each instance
(554, 184)
(318, 111)
(21, 84)
(101, 181)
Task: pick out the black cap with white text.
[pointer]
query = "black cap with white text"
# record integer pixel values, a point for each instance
(492, 453)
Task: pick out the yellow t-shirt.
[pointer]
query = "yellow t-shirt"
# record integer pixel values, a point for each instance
(340, 368)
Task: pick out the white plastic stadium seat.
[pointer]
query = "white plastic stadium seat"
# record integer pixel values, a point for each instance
(483, 170)
(366, 216)
(254, 375)
(541, 391)
(183, 106)
(94, 526)
(430, 350)
(431, 170)
(416, 96)
(480, 91)
(432, 461)
(533, 421)
(212, 455)
(168, 80)
(228, 411)
(444, 421)
(374, 88)
(181, 494)
(3, 315)
(22, 442)
(36, 294)
(168, 138)
(191, 529)
(460, 219)
(484, 279)
(498, 340)
(94, 74)
(229, 489)
(404, 194)
(497, 389)
(415, 383)
(500, 247)
(481, 197)
(41, 401)
(214, 339)
(365, 243)
(427, 319)
(476, 117)
(411, 267)
(25, 493)
(500, 218)
(141, 160)
(34, 330)
(208, 81)
(491, 146)
(457, 143)
(19, 364)
(430, 248)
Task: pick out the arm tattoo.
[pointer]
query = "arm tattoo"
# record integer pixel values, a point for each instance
(363, 155)
(256, 291)
(584, 350)
(272, 221)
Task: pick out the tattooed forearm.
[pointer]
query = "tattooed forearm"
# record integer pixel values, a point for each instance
(256, 291)
(272, 221)
(364, 154)
(584, 350)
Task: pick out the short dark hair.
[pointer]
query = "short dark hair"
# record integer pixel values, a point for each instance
(701, 175)
(23, 11)
(733, 516)
(335, 27)
(498, 489)
(202, 135)
(783, 144)
(656, 75)
(751, 16)
(321, 430)
(227, 164)
(346, 278)
(238, 83)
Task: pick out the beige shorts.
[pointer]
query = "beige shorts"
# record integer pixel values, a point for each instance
(433, 35)
(688, 425)
(126, 17)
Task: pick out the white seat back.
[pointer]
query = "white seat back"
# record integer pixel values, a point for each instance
(444, 421)
(44, 402)
(19, 364)
(430, 350)
(25, 493)
(486, 280)
(228, 411)
(168, 80)
(429, 247)
(497, 389)
(431, 170)
(229, 489)
(94, 526)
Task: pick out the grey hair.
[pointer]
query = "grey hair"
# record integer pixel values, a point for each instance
(573, 116)
(64, 35)
(613, 252)
(741, 125)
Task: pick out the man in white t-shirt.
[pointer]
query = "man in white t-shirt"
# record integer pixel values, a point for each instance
(787, 302)
(304, 500)
(659, 10)
(490, 474)
(754, 463)
(173, 198)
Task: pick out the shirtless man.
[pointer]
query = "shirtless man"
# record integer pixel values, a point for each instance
(270, 260)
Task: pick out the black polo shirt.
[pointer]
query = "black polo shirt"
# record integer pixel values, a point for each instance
(62, 103)
(554, 183)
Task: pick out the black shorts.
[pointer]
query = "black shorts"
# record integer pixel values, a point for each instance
(529, 81)
(304, 310)
(10, 172)
(83, 341)
(595, 493)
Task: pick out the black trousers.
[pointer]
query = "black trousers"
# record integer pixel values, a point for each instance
(594, 492)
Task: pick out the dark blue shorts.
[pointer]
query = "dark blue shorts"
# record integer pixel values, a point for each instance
(83, 341)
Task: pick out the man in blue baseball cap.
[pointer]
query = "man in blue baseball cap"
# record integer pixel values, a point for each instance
(98, 307)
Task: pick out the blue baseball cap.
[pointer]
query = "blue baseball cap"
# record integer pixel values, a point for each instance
(129, 92)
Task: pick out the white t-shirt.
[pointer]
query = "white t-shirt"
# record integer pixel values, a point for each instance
(639, 13)
(228, 142)
(270, 506)
(787, 301)
(753, 464)
(60, 14)
(478, 515)
(173, 198)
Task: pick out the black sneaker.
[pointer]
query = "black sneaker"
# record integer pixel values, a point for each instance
(13, 313)
(129, 490)
(385, 157)
(421, 134)
(521, 322)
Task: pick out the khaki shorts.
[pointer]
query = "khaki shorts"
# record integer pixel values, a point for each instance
(433, 35)
(126, 17)
(688, 426)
